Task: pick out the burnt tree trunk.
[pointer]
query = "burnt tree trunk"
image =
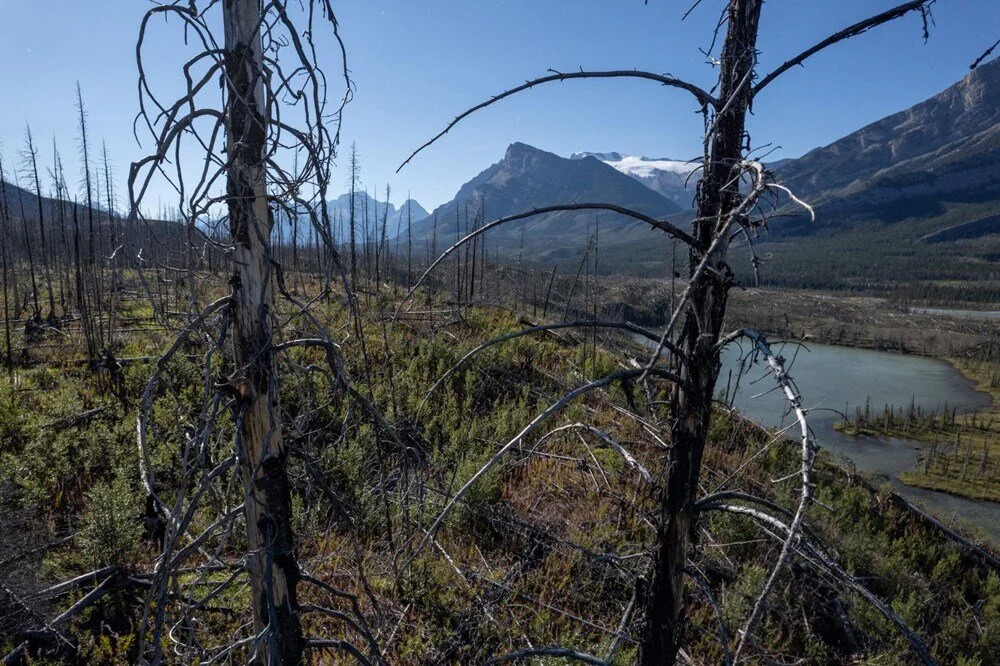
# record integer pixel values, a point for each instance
(4, 252)
(692, 401)
(272, 563)
(32, 158)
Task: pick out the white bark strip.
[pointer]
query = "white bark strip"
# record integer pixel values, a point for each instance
(260, 449)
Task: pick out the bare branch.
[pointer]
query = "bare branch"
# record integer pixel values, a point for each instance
(700, 581)
(626, 326)
(985, 55)
(555, 407)
(604, 437)
(846, 33)
(552, 651)
(704, 99)
(809, 449)
(341, 645)
(826, 564)
(663, 225)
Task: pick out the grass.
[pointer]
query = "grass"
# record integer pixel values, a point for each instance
(964, 458)
(961, 453)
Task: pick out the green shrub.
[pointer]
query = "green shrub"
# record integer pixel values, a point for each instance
(111, 524)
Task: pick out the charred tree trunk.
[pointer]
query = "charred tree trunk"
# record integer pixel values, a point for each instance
(692, 400)
(409, 240)
(272, 563)
(31, 156)
(353, 220)
(62, 256)
(4, 250)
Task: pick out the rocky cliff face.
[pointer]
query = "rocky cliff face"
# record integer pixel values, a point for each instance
(946, 148)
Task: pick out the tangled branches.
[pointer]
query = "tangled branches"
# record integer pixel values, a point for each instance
(264, 154)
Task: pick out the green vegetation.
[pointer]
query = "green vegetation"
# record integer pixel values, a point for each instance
(857, 257)
(547, 547)
(962, 451)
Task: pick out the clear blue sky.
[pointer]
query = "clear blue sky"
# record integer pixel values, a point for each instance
(417, 63)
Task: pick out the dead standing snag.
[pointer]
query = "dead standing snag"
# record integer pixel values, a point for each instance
(274, 111)
(723, 210)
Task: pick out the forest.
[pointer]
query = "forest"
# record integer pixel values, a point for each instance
(249, 426)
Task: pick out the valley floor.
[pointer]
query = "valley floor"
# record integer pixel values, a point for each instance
(962, 452)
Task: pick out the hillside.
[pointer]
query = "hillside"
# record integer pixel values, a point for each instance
(18, 199)
(545, 550)
(154, 236)
(913, 163)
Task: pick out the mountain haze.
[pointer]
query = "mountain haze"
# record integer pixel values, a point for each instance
(396, 219)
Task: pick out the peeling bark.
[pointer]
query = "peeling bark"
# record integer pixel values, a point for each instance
(272, 562)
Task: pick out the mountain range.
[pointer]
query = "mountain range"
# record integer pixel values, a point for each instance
(921, 164)
(527, 178)
(935, 165)
(396, 220)
(914, 163)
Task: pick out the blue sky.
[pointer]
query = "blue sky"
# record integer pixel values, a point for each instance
(417, 63)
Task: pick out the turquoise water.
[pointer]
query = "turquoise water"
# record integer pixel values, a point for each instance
(831, 377)
(844, 378)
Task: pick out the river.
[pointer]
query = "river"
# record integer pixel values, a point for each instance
(839, 378)
(983, 315)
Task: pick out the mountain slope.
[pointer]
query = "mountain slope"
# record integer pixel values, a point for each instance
(528, 178)
(671, 178)
(19, 198)
(911, 163)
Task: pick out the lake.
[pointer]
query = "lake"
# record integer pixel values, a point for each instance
(838, 378)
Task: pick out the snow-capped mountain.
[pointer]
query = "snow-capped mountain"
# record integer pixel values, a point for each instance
(666, 176)
(527, 178)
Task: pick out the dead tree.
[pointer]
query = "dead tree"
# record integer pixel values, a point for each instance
(29, 248)
(409, 240)
(272, 566)
(352, 220)
(30, 157)
(59, 196)
(732, 194)
(87, 182)
(4, 260)
(709, 281)
(246, 144)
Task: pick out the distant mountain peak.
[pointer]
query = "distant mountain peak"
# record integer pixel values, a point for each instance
(604, 157)
(518, 148)
(517, 152)
(910, 163)
(528, 177)
(666, 176)
(396, 218)
(415, 210)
